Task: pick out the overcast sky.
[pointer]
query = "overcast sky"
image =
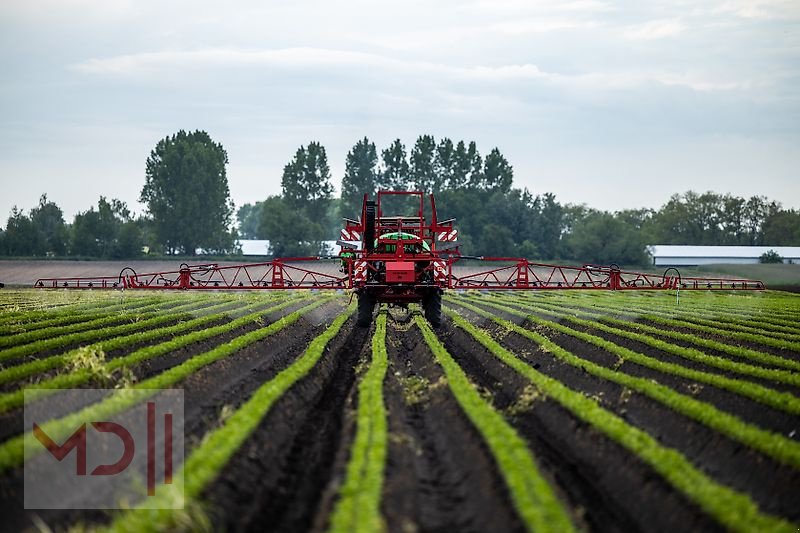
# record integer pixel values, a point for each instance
(612, 104)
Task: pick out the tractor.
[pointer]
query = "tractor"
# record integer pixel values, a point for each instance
(398, 258)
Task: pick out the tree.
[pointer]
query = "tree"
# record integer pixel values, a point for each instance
(187, 196)
(444, 165)
(249, 217)
(422, 172)
(48, 220)
(21, 237)
(756, 211)
(360, 177)
(306, 180)
(548, 225)
(603, 239)
(498, 174)
(771, 257)
(732, 219)
(782, 228)
(469, 166)
(290, 231)
(109, 232)
(394, 174)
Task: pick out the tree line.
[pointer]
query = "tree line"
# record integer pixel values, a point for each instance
(493, 217)
(189, 209)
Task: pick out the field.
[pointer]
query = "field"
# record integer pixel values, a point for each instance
(592, 411)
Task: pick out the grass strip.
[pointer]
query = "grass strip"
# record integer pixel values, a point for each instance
(218, 446)
(74, 378)
(358, 507)
(780, 448)
(732, 509)
(777, 375)
(531, 494)
(12, 451)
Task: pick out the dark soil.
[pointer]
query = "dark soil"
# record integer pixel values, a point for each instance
(610, 489)
(439, 476)
(227, 382)
(772, 485)
(277, 481)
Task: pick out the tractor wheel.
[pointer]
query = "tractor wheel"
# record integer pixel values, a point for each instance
(366, 303)
(432, 305)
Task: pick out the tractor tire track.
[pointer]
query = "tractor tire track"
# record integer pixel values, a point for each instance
(279, 480)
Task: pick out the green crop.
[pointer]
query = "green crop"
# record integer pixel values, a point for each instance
(12, 450)
(532, 496)
(358, 507)
(732, 509)
(48, 344)
(78, 377)
(772, 374)
(219, 445)
(776, 446)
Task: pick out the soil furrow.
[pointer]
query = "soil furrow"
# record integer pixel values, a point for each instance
(769, 483)
(440, 475)
(610, 489)
(226, 383)
(278, 480)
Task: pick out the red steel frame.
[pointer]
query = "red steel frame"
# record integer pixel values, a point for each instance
(288, 273)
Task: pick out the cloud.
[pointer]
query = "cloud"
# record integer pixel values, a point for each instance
(654, 29)
(157, 65)
(539, 25)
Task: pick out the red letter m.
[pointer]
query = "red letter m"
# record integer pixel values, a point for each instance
(76, 440)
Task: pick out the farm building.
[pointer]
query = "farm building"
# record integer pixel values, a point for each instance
(681, 255)
(261, 247)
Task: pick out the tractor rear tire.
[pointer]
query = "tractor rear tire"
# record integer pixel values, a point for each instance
(432, 305)
(366, 304)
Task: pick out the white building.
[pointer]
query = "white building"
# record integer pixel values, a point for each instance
(261, 247)
(680, 255)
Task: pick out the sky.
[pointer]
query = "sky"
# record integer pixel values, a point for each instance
(611, 104)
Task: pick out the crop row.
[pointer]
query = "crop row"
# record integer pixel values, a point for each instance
(28, 368)
(80, 376)
(531, 494)
(176, 313)
(767, 313)
(772, 374)
(735, 350)
(732, 509)
(204, 463)
(75, 305)
(776, 446)
(12, 450)
(766, 305)
(89, 322)
(52, 318)
(734, 330)
(358, 507)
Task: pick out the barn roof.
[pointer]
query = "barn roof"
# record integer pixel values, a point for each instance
(680, 250)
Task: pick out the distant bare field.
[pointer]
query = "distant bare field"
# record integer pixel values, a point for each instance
(25, 273)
